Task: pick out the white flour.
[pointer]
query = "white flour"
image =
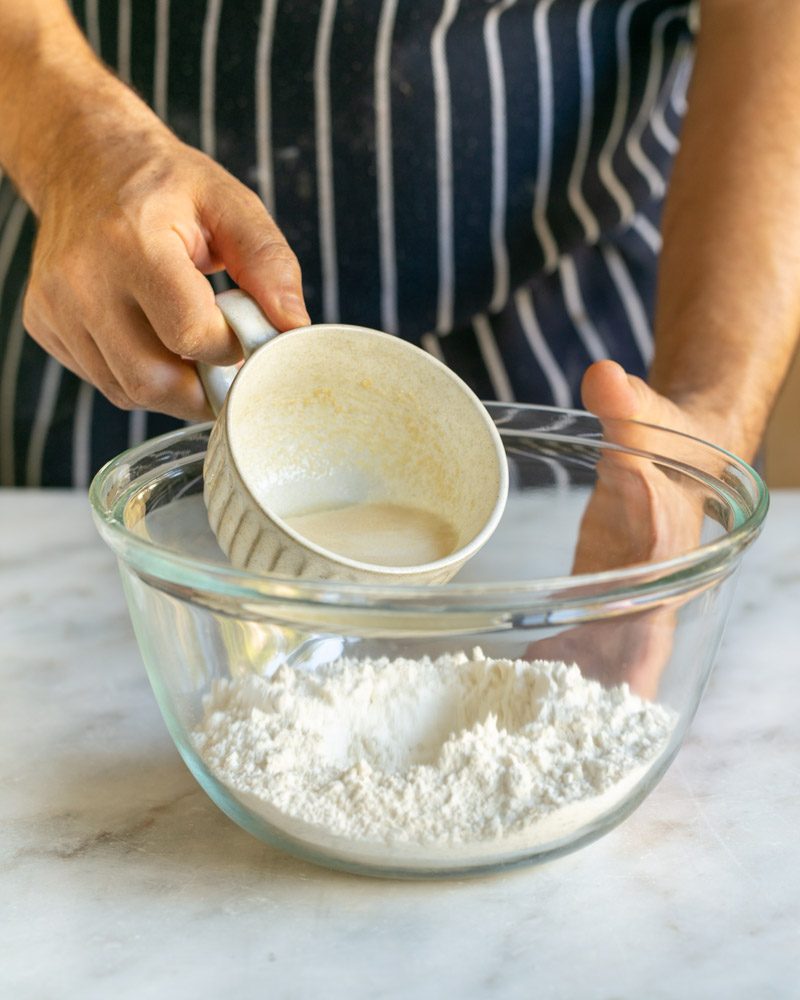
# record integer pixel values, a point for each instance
(425, 761)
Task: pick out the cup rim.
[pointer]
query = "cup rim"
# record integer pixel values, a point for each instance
(392, 343)
(626, 588)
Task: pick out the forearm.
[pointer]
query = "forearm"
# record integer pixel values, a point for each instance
(728, 311)
(56, 97)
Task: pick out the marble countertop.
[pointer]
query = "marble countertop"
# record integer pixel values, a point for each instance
(119, 878)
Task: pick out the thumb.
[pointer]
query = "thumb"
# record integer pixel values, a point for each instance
(253, 250)
(612, 395)
(609, 392)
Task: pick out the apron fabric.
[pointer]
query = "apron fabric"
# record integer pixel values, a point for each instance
(482, 179)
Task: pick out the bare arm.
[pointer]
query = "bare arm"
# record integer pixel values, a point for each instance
(53, 92)
(728, 311)
(729, 302)
(130, 219)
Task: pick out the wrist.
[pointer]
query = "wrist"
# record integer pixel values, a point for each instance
(101, 128)
(724, 416)
(70, 107)
(706, 365)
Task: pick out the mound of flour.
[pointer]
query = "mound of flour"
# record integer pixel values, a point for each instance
(453, 753)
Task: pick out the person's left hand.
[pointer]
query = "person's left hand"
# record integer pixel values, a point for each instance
(637, 513)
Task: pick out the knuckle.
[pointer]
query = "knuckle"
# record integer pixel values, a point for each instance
(116, 395)
(138, 387)
(270, 255)
(30, 319)
(149, 386)
(36, 321)
(38, 294)
(188, 339)
(275, 250)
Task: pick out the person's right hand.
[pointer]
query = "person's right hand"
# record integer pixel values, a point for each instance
(130, 221)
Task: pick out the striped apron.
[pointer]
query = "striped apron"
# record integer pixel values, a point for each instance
(481, 178)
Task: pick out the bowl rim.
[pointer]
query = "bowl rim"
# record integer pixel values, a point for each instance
(626, 587)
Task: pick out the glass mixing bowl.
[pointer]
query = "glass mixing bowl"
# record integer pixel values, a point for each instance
(617, 551)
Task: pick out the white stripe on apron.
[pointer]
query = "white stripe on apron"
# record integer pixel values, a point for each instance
(605, 164)
(559, 387)
(82, 437)
(45, 407)
(124, 40)
(576, 310)
(384, 169)
(8, 379)
(208, 79)
(682, 80)
(266, 33)
(492, 359)
(8, 393)
(93, 24)
(444, 167)
(497, 93)
(632, 303)
(586, 62)
(633, 141)
(161, 60)
(661, 130)
(431, 344)
(327, 218)
(648, 232)
(542, 193)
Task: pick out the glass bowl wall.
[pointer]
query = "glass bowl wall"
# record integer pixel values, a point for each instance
(618, 551)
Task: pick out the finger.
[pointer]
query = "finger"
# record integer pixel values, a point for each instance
(149, 373)
(86, 361)
(608, 391)
(611, 393)
(52, 343)
(58, 350)
(617, 398)
(255, 253)
(97, 370)
(77, 351)
(178, 302)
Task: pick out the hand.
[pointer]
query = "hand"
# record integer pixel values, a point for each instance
(131, 220)
(636, 514)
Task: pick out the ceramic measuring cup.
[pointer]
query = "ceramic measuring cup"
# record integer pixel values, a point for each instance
(341, 452)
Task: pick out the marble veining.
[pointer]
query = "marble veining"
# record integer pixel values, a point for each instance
(118, 877)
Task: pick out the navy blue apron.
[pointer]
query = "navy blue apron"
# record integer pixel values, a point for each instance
(483, 179)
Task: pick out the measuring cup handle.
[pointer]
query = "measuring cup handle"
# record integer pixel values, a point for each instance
(245, 317)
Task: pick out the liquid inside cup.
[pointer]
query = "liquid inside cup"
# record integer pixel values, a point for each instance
(384, 534)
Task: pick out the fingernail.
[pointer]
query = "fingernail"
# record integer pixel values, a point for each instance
(293, 306)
